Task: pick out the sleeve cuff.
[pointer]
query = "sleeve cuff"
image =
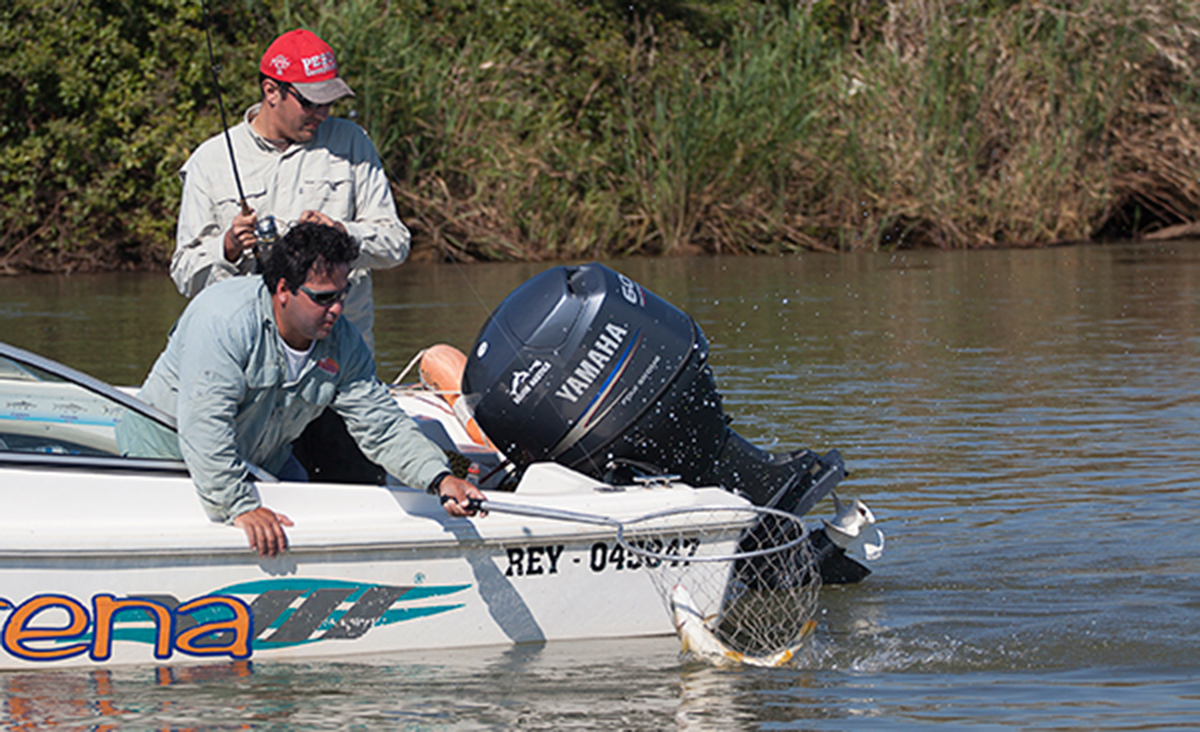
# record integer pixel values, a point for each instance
(436, 483)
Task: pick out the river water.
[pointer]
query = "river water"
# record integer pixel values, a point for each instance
(1024, 424)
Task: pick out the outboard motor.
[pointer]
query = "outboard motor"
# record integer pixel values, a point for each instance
(583, 366)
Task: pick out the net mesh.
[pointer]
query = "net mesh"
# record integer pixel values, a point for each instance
(749, 572)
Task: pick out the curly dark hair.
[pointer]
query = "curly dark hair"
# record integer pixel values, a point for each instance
(306, 249)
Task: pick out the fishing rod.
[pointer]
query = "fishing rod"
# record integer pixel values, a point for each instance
(213, 66)
(265, 229)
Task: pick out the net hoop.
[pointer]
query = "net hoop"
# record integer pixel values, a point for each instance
(740, 582)
(753, 515)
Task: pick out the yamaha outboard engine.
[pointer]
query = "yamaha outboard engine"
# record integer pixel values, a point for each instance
(583, 366)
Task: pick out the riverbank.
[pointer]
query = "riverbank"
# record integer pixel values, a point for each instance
(547, 129)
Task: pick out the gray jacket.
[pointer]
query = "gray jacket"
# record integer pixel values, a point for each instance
(224, 378)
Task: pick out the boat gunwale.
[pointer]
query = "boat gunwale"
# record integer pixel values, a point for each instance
(457, 545)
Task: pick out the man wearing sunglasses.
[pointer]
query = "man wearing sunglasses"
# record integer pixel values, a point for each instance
(296, 163)
(253, 360)
(300, 165)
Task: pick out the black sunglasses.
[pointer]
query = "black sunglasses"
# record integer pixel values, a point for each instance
(307, 104)
(328, 297)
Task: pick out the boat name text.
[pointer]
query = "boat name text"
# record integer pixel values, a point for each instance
(617, 557)
(188, 628)
(533, 560)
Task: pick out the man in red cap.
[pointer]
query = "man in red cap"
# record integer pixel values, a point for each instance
(296, 164)
(301, 64)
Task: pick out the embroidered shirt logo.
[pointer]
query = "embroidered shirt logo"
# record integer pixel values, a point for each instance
(280, 63)
(329, 366)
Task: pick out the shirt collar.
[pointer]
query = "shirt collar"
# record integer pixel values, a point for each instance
(266, 145)
(266, 305)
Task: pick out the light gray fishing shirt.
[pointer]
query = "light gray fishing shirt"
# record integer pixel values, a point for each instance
(338, 173)
(224, 378)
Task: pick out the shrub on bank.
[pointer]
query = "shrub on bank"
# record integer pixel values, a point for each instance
(538, 129)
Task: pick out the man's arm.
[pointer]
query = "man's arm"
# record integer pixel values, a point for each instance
(208, 220)
(388, 436)
(385, 434)
(412, 457)
(382, 238)
(211, 384)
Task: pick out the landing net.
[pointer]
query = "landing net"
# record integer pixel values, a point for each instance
(749, 571)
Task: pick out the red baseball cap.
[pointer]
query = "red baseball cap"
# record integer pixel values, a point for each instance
(303, 60)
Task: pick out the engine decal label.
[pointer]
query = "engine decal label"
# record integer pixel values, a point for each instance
(631, 291)
(596, 410)
(594, 361)
(523, 381)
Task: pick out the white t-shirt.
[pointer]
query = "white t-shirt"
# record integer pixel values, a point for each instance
(295, 359)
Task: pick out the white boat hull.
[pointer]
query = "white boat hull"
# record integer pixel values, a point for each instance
(125, 568)
(107, 559)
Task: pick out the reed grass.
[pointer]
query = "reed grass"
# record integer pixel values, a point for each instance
(540, 129)
(1007, 134)
(946, 124)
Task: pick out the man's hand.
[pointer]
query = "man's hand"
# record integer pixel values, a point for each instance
(316, 217)
(241, 235)
(455, 492)
(264, 529)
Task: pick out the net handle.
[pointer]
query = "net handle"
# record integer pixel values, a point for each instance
(554, 514)
(558, 514)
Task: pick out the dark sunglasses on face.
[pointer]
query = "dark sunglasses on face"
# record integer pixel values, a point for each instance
(328, 297)
(299, 97)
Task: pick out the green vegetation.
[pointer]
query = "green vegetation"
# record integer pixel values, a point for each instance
(542, 129)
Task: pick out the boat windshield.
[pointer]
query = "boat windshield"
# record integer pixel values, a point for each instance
(43, 413)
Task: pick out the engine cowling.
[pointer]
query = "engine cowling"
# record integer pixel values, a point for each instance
(583, 366)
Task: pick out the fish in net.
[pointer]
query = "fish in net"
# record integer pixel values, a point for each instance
(741, 583)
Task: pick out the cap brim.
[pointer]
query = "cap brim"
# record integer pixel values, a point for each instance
(325, 92)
